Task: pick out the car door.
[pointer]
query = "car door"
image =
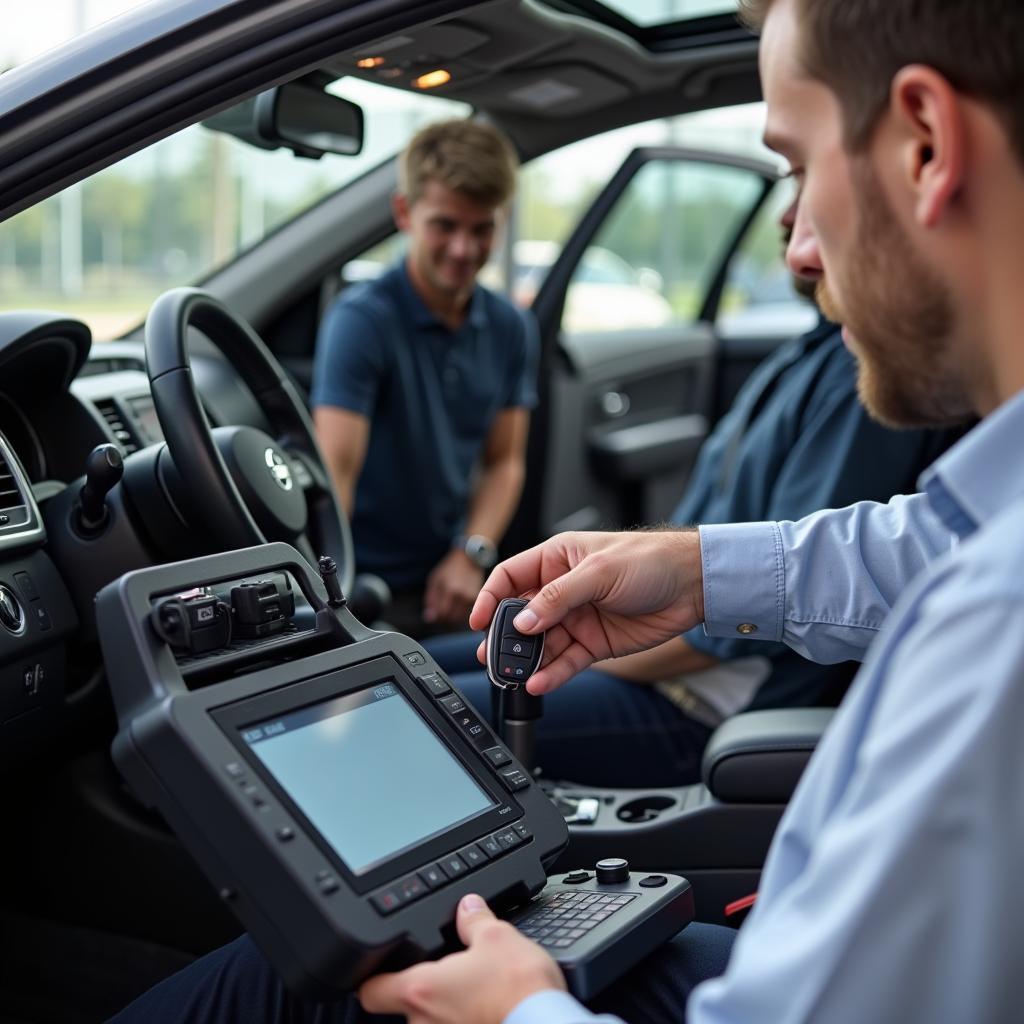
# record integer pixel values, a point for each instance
(630, 354)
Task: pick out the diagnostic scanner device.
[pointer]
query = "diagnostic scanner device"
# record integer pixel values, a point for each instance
(335, 788)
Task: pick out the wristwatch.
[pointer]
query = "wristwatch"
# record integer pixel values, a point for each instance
(480, 550)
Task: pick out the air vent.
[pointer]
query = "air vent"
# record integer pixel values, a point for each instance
(110, 413)
(10, 495)
(96, 367)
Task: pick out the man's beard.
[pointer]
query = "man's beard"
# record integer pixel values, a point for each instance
(900, 318)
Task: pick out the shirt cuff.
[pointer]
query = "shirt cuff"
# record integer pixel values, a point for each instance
(551, 1007)
(744, 580)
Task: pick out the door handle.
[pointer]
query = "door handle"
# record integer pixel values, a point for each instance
(614, 403)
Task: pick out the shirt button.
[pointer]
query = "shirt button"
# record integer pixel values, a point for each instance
(746, 628)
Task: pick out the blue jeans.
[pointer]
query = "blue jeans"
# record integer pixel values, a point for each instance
(598, 730)
(236, 984)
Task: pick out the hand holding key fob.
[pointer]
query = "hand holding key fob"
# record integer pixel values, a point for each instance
(512, 657)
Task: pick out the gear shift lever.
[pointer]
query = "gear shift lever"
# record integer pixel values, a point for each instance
(104, 468)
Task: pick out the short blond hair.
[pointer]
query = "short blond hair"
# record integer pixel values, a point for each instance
(466, 156)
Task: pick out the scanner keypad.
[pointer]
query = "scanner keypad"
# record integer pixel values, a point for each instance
(455, 865)
(559, 920)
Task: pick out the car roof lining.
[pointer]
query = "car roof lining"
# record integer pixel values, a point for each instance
(579, 79)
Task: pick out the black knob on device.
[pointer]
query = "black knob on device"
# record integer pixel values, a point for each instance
(104, 468)
(612, 870)
(329, 574)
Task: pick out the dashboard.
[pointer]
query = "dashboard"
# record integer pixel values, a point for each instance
(59, 399)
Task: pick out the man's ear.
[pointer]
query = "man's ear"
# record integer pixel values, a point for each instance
(930, 115)
(400, 210)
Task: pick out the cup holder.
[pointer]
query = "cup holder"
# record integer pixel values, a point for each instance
(645, 808)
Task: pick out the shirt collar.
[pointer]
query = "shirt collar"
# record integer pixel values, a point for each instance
(982, 474)
(424, 317)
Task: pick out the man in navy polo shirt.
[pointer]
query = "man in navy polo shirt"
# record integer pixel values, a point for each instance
(423, 384)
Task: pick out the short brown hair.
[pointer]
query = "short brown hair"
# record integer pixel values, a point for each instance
(466, 156)
(856, 47)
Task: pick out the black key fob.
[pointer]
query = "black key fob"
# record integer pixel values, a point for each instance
(512, 657)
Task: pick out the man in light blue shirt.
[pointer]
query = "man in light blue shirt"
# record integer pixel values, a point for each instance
(892, 889)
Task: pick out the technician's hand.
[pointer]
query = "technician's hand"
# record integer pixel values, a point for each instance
(451, 589)
(599, 595)
(481, 985)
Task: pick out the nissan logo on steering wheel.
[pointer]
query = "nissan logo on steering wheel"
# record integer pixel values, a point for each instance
(279, 469)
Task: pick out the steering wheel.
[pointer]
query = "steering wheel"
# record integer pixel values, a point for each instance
(242, 486)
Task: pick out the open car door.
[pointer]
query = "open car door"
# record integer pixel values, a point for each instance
(634, 368)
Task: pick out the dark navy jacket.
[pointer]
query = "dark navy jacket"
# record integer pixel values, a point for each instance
(798, 440)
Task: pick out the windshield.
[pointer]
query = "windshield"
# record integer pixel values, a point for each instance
(172, 213)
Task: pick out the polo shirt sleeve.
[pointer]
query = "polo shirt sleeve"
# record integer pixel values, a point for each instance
(524, 345)
(351, 358)
(840, 456)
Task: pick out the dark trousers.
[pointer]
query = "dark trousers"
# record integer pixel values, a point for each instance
(598, 729)
(236, 984)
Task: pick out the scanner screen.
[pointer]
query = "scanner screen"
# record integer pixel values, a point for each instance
(368, 773)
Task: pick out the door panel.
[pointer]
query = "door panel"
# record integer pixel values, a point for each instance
(629, 361)
(625, 428)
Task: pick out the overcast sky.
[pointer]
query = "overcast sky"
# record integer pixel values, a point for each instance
(53, 22)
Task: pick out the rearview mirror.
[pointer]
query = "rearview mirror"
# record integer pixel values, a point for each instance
(298, 115)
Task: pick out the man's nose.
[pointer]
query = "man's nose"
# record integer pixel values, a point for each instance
(802, 254)
(462, 245)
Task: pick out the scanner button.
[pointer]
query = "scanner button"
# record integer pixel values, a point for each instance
(576, 877)
(327, 884)
(453, 703)
(514, 778)
(470, 725)
(498, 757)
(507, 838)
(433, 876)
(410, 888)
(522, 831)
(452, 865)
(517, 645)
(653, 881)
(491, 847)
(473, 856)
(434, 685)
(285, 834)
(256, 796)
(387, 901)
(415, 659)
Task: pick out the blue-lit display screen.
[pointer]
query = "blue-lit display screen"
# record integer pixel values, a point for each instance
(368, 773)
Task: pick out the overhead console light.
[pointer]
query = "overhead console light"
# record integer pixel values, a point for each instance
(432, 79)
(370, 62)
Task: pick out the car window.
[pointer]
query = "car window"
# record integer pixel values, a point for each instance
(652, 259)
(174, 212)
(555, 190)
(758, 299)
